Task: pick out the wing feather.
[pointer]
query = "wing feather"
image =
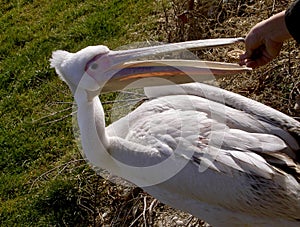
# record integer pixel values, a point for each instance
(194, 118)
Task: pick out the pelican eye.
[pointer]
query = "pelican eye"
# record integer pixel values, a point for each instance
(94, 66)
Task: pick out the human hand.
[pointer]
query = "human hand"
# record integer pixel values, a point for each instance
(264, 41)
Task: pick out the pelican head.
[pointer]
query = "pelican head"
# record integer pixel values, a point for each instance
(71, 66)
(96, 68)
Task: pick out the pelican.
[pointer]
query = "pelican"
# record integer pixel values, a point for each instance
(217, 155)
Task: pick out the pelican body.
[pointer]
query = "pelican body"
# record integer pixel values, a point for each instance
(224, 158)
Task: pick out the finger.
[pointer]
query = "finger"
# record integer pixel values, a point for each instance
(243, 56)
(247, 54)
(251, 58)
(252, 64)
(258, 62)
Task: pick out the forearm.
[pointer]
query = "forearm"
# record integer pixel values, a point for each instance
(274, 28)
(264, 41)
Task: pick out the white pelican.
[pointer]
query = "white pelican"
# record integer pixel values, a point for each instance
(224, 158)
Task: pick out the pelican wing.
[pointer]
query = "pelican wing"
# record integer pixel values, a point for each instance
(209, 147)
(261, 119)
(257, 110)
(248, 127)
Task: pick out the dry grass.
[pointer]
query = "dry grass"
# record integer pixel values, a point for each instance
(276, 85)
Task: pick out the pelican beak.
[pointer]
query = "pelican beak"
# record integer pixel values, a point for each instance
(116, 70)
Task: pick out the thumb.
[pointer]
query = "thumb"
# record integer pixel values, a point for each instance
(246, 55)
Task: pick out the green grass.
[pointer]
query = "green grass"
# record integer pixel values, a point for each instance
(33, 139)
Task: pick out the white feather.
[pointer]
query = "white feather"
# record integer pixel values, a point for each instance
(195, 147)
